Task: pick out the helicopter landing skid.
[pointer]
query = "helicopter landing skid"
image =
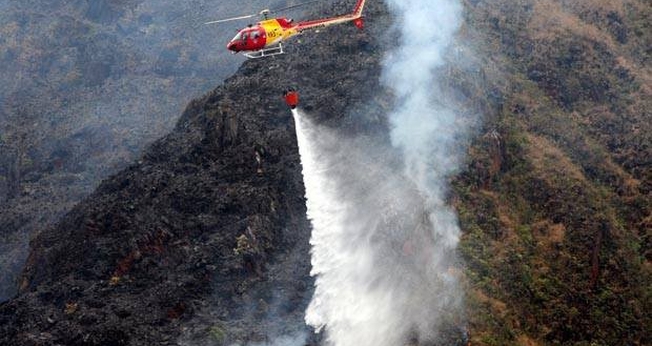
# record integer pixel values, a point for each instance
(265, 52)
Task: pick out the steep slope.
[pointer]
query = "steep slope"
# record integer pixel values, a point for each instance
(197, 227)
(556, 198)
(86, 85)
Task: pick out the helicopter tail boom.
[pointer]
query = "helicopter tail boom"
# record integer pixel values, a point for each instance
(359, 6)
(355, 17)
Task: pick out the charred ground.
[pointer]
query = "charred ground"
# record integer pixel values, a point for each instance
(198, 240)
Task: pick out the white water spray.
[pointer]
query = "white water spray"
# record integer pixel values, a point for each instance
(373, 247)
(341, 257)
(383, 241)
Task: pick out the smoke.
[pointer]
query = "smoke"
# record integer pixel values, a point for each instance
(422, 126)
(298, 339)
(384, 239)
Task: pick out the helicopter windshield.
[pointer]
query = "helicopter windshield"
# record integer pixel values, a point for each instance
(237, 37)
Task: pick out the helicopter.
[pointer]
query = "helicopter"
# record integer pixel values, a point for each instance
(265, 37)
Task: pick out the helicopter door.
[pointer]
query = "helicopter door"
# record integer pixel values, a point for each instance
(245, 40)
(257, 37)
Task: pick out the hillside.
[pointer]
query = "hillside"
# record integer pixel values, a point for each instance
(86, 85)
(194, 242)
(204, 239)
(555, 200)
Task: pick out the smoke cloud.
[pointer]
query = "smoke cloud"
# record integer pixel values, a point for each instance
(298, 339)
(384, 239)
(422, 126)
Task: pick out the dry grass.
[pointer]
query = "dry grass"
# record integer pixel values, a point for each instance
(551, 20)
(497, 307)
(548, 233)
(524, 340)
(602, 6)
(551, 161)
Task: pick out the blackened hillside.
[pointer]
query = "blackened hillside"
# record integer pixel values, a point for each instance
(197, 223)
(86, 86)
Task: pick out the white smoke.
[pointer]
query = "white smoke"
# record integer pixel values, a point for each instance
(422, 126)
(383, 241)
(428, 134)
(298, 339)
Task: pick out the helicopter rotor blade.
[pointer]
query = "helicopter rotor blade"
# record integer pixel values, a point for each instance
(293, 6)
(262, 13)
(232, 19)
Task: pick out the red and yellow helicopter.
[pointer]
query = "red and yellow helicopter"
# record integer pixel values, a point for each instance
(266, 37)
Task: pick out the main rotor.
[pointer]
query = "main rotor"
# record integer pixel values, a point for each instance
(264, 14)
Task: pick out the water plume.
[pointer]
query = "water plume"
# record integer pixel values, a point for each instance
(384, 238)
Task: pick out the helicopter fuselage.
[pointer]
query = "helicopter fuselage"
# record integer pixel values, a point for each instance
(264, 34)
(269, 33)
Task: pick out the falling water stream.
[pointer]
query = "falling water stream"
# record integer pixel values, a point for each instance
(382, 274)
(384, 237)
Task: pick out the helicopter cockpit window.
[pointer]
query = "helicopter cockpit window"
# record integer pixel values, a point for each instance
(238, 36)
(255, 34)
(245, 36)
